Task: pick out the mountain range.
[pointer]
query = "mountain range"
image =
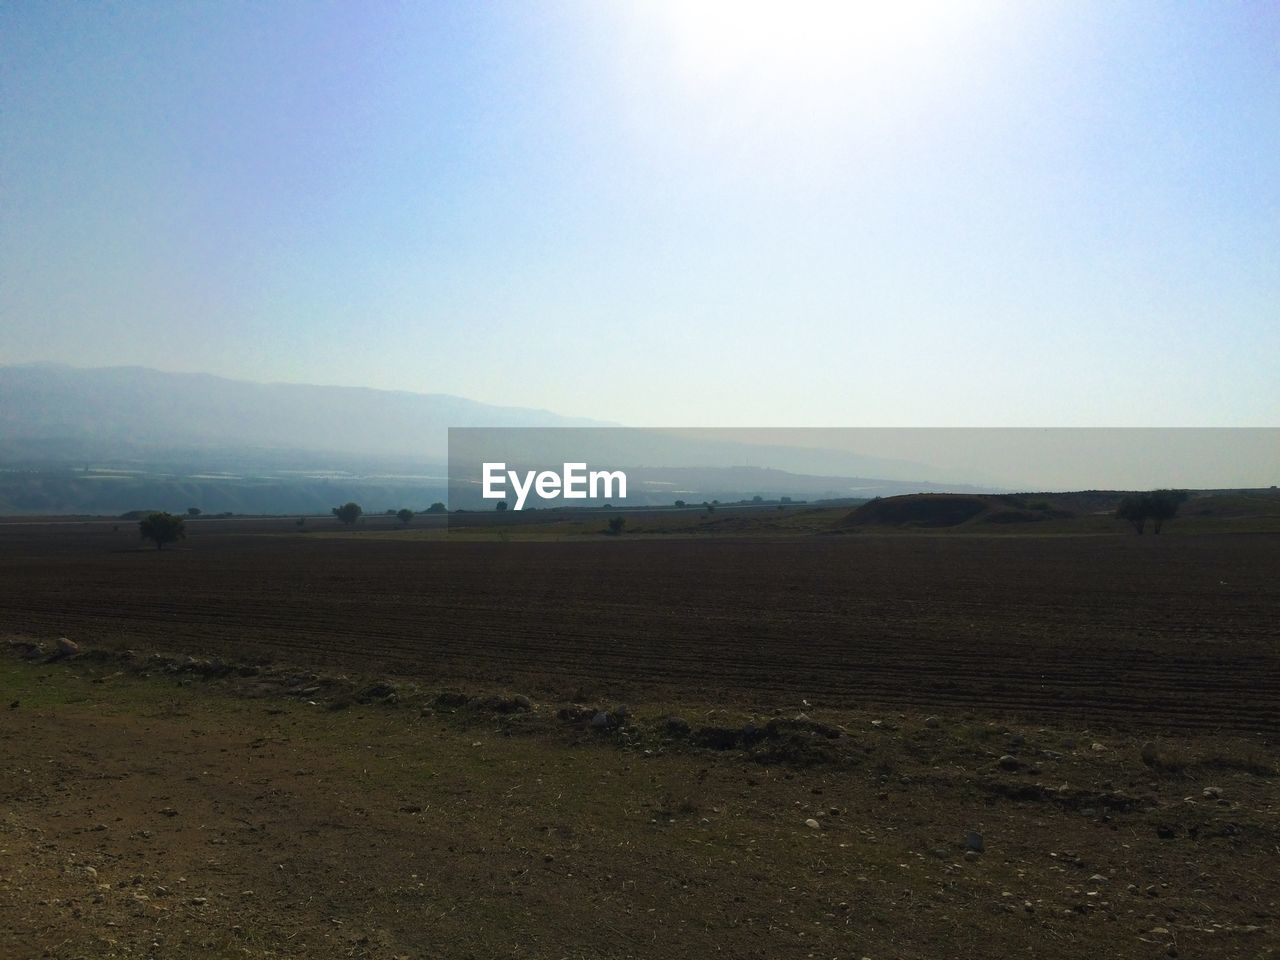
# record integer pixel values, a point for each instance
(106, 440)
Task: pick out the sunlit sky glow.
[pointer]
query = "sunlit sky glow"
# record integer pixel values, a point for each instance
(666, 212)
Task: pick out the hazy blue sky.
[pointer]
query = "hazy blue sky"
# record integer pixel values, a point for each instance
(657, 213)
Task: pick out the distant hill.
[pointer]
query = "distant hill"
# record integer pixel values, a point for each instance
(50, 412)
(951, 510)
(965, 509)
(109, 440)
(1206, 509)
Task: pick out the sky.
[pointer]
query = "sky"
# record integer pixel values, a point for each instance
(660, 213)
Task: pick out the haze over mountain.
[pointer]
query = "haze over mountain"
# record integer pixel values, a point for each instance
(112, 439)
(58, 412)
(108, 440)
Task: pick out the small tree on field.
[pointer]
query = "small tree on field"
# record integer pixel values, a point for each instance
(1156, 506)
(348, 513)
(500, 505)
(437, 507)
(1135, 511)
(194, 511)
(404, 516)
(1163, 505)
(162, 528)
(615, 526)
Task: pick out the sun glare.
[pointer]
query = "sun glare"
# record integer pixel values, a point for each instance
(811, 49)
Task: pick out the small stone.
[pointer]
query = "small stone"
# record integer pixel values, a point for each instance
(933, 723)
(1097, 747)
(813, 824)
(1008, 762)
(65, 647)
(973, 841)
(1211, 793)
(600, 721)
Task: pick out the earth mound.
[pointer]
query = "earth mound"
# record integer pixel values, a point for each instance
(951, 510)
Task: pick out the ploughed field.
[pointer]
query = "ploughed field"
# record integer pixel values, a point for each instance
(1173, 632)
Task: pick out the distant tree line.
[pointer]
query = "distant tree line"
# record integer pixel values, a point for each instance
(351, 511)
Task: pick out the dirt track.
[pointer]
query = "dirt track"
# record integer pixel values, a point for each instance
(1177, 632)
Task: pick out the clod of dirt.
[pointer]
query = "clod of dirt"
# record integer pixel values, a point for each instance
(380, 690)
(497, 704)
(677, 727)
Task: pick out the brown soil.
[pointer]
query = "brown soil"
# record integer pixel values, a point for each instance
(1169, 633)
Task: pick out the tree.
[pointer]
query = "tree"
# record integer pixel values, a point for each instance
(437, 507)
(162, 528)
(500, 505)
(194, 511)
(1163, 505)
(404, 516)
(1156, 506)
(348, 513)
(615, 526)
(680, 503)
(1133, 509)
